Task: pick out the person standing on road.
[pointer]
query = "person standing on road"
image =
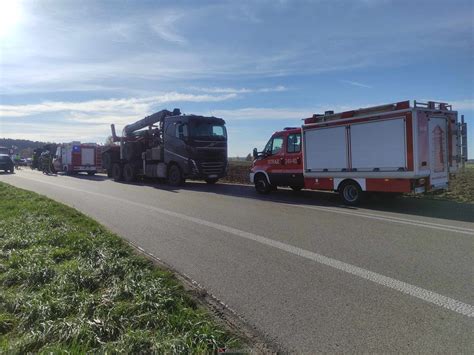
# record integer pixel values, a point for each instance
(46, 162)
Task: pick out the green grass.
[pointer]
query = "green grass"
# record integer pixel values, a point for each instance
(68, 284)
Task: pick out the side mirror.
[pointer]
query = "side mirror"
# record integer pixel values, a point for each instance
(255, 153)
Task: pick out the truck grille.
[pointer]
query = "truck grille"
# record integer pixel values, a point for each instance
(212, 167)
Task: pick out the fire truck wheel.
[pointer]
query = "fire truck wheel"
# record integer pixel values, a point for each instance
(175, 177)
(129, 174)
(351, 193)
(262, 185)
(117, 172)
(296, 188)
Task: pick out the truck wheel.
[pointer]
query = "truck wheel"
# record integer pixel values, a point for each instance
(66, 170)
(211, 181)
(296, 188)
(129, 173)
(262, 185)
(12, 170)
(175, 177)
(109, 173)
(351, 193)
(91, 173)
(117, 172)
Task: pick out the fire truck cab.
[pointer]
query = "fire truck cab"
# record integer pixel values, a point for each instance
(280, 163)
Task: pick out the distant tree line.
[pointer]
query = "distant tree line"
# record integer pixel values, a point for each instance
(23, 147)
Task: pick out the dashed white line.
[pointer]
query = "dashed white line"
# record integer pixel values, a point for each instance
(403, 287)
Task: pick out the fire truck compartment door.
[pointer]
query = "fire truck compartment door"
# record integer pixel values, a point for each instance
(438, 152)
(378, 145)
(87, 156)
(325, 149)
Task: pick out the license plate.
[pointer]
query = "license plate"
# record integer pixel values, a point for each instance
(419, 190)
(212, 176)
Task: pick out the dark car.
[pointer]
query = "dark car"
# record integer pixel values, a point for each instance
(6, 163)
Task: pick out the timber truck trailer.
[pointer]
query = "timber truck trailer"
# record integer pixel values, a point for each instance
(394, 148)
(169, 145)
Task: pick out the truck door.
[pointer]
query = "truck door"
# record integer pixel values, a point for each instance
(275, 159)
(87, 156)
(438, 152)
(293, 163)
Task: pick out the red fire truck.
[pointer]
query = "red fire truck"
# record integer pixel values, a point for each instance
(394, 148)
(76, 157)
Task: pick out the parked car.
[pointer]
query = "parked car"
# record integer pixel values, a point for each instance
(6, 163)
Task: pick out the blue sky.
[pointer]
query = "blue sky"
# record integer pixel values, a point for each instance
(70, 68)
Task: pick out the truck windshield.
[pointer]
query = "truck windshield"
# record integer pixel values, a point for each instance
(208, 130)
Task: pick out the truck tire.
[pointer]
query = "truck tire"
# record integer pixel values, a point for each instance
(211, 181)
(109, 173)
(129, 173)
(262, 185)
(117, 172)
(91, 173)
(175, 176)
(351, 193)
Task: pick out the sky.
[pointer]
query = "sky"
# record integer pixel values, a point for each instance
(68, 69)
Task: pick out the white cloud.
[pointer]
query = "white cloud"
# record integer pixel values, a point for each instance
(111, 107)
(164, 26)
(218, 90)
(356, 83)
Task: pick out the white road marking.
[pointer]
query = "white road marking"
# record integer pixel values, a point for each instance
(403, 287)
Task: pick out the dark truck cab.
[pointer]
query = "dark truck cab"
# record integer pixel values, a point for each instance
(174, 147)
(198, 145)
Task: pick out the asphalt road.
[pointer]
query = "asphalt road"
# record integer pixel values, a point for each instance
(309, 274)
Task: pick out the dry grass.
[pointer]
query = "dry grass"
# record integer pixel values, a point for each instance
(461, 188)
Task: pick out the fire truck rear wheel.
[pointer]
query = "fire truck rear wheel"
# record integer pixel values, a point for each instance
(117, 172)
(351, 193)
(262, 185)
(175, 176)
(129, 173)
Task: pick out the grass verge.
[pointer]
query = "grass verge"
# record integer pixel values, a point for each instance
(68, 284)
(461, 187)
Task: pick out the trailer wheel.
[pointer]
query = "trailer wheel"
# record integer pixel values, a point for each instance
(262, 185)
(211, 181)
(175, 177)
(351, 193)
(117, 172)
(129, 173)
